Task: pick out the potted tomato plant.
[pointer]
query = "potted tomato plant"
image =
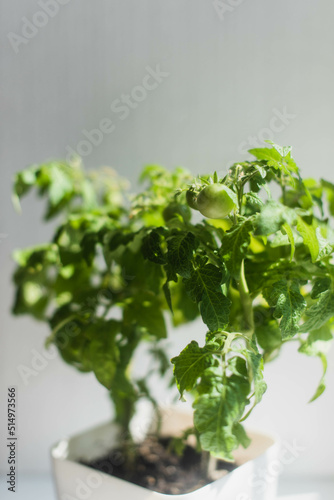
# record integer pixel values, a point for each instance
(257, 271)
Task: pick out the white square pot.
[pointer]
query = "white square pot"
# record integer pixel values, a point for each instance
(254, 479)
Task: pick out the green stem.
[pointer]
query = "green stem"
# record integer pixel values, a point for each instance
(284, 193)
(246, 301)
(205, 459)
(240, 195)
(283, 187)
(56, 329)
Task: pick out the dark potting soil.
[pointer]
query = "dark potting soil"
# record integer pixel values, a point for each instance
(157, 468)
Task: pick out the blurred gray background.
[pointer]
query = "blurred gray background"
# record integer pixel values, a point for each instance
(228, 75)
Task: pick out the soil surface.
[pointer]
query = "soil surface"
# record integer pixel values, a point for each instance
(157, 468)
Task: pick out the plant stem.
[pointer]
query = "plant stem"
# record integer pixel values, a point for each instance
(205, 460)
(283, 186)
(124, 412)
(60, 325)
(240, 195)
(246, 300)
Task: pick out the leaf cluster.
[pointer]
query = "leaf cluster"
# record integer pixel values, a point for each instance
(117, 265)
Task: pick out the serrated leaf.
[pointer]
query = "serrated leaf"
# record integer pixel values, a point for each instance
(234, 246)
(272, 217)
(204, 287)
(288, 304)
(319, 313)
(215, 308)
(253, 201)
(180, 252)
(218, 411)
(325, 246)
(267, 154)
(282, 150)
(190, 364)
(292, 166)
(309, 236)
(254, 369)
(255, 362)
(318, 344)
(151, 248)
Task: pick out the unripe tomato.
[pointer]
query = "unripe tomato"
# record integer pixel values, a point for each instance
(216, 201)
(174, 209)
(191, 198)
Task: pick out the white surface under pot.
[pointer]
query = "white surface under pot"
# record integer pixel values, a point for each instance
(254, 479)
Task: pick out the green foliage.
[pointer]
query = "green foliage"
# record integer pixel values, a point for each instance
(204, 286)
(320, 312)
(219, 408)
(117, 265)
(309, 236)
(273, 216)
(180, 250)
(235, 243)
(288, 304)
(317, 344)
(190, 365)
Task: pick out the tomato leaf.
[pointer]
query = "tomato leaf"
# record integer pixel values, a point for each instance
(309, 236)
(204, 287)
(190, 364)
(319, 313)
(234, 246)
(180, 251)
(288, 304)
(318, 344)
(272, 217)
(218, 411)
(151, 248)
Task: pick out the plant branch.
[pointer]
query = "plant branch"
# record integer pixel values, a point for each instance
(246, 300)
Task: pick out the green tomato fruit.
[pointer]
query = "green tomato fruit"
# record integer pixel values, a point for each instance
(174, 209)
(216, 201)
(191, 198)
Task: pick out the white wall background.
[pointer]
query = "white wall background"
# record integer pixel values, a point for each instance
(228, 79)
